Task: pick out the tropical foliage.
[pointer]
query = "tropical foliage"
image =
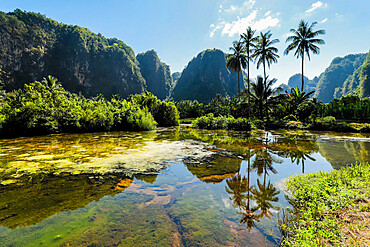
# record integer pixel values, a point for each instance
(165, 113)
(221, 122)
(46, 107)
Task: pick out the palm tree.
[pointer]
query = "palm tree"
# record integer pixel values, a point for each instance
(304, 40)
(249, 41)
(51, 83)
(263, 94)
(265, 52)
(237, 60)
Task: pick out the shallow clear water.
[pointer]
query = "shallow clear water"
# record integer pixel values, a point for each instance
(170, 187)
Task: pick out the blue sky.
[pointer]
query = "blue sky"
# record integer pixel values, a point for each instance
(179, 29)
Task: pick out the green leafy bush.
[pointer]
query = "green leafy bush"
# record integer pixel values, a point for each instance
(165, 113)
(45, 107)
(221, 122)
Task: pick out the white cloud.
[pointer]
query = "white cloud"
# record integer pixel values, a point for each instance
(241, 9)
(316, 5)
(265, 23)
(235, 19)
(239, 26)
(215, 28)
(324, 20)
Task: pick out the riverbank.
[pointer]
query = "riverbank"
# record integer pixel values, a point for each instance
(321, 124)
(329, 209)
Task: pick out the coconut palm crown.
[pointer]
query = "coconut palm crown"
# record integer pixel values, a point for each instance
(304, 40)
(265, 52)
(237, 60)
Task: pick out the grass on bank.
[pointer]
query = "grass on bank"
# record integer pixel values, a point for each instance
(329, 209)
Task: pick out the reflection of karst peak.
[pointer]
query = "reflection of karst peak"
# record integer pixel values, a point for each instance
(214, 170)
(30, 201)
(344, 152)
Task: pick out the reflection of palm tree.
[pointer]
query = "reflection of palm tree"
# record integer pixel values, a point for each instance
(297, 151)
(264, 195)
(299, 156)
(263, 161)
(249, 217)
(242, 195)
(237, 187)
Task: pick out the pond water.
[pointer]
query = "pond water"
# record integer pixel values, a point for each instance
(169, 187)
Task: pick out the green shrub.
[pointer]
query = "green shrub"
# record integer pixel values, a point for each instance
(221, 122)
(165, 113)
(42, 108)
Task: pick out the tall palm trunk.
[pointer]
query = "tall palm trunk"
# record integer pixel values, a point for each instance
(302, 72)
(238, 84)
(264, 71)
(249, 99)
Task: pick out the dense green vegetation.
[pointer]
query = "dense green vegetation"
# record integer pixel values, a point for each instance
(165, 113)
(230, 123)
(289, 110)
(46, 107)
(328, 208)
(156, 73)
(206, 76)
(347, 107)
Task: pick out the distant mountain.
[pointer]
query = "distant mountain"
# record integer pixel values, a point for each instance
(156, 73)
(359, 82)
(205, 76)
(175, 77)
(296, 81)
(33, 46)
(332, 82)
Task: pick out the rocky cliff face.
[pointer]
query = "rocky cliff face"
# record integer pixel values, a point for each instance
(331, 81)
(205, 76)
(33, 46)
(156, 73)
(358, 82)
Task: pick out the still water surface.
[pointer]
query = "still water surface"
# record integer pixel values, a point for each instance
(169, 187)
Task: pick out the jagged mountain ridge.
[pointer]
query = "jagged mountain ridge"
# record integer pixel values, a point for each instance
(205, 76)
(156, 73)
